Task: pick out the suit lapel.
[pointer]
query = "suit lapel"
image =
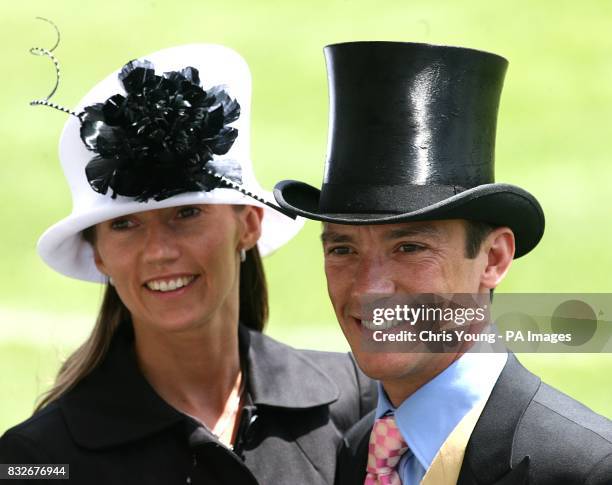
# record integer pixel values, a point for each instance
(281, 377)
(489, 459)
(518, 475)
(353, 455)
(293, 392)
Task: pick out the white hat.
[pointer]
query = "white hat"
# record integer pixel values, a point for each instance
(62, 246)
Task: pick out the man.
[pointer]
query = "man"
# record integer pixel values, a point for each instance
(409, 205)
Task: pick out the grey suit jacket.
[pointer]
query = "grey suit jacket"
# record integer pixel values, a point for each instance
(528, 433)
(112, 428)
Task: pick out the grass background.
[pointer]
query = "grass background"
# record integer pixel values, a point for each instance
(553, 138)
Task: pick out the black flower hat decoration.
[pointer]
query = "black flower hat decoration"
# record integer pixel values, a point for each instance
(158, 139)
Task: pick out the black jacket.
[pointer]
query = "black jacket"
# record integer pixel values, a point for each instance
(527, 434)
(112, 428)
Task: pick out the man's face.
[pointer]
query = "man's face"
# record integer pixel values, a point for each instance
(414, 257)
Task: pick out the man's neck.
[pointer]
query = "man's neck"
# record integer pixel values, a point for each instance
(401, 388)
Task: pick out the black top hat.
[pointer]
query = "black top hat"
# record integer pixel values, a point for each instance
(412, 137)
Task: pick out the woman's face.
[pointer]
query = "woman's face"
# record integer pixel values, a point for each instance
(178, 268)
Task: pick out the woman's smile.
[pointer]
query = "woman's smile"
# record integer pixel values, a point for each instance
(170, 284)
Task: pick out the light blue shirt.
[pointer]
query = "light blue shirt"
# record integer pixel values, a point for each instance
(429, 415)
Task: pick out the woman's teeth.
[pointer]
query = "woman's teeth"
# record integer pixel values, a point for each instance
(169, 285)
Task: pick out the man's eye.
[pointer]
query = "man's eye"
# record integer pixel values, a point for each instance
(122, 224)
(339, 250)
(410, 248)
(184, 212)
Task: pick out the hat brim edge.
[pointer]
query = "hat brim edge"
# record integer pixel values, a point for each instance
(488, 199)
(63, 249)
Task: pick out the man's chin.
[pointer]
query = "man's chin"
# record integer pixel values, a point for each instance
(387, 365)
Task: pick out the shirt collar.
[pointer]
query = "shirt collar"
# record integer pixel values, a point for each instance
(427, 417)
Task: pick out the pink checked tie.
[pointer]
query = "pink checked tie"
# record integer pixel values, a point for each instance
(384, 453)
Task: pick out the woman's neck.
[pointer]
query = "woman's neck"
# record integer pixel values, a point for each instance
(194, 370)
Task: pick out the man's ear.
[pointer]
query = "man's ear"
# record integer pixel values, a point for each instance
(250, 218)
(499, 248)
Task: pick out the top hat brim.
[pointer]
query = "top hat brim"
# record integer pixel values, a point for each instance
(497, 204)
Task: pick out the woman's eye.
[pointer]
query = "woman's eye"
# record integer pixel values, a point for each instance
(121, 224)
(410, 248)
(184, 212)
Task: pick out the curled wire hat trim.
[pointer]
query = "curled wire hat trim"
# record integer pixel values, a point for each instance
(158, 140)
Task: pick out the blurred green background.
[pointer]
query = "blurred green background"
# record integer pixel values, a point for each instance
(553, 134)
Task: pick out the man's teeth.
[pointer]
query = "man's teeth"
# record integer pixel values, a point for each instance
(169, 285)
(387, 324)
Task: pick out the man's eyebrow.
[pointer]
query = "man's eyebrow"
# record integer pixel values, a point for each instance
(328, 236)
(412, 231)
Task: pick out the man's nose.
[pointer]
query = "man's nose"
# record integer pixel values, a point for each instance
(373, 277)
(160, 244)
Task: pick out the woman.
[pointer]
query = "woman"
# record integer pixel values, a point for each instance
(176, 383)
